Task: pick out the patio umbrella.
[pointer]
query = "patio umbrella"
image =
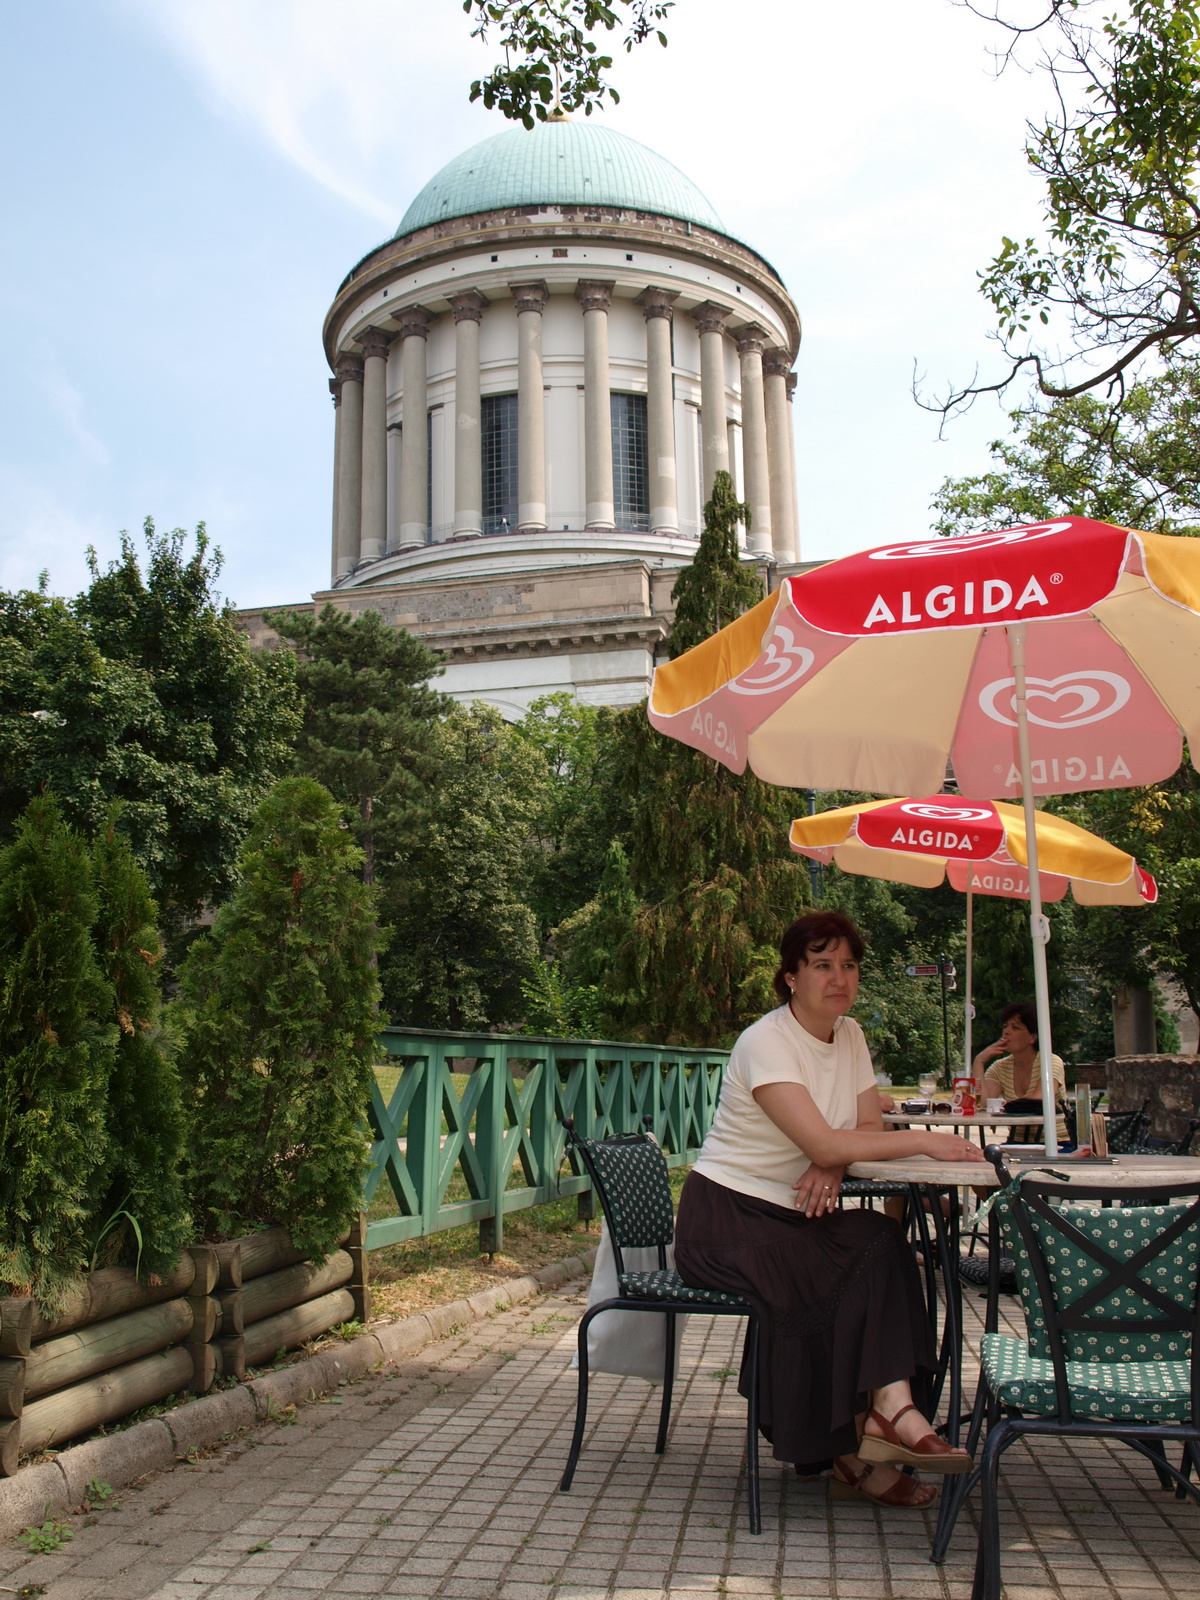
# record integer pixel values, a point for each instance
(1051, 658)
(980, 847)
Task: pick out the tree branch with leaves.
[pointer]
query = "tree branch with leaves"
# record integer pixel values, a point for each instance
(1118, 269)
(552, 63)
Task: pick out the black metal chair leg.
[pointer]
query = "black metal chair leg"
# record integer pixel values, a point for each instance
(955, 1490)
(1158, 1450)
(950, 1357)
(752, 1484)
(664, 1416)
(989, 1515)
(580, 1405)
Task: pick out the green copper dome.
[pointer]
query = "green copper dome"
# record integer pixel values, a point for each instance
(558, 163)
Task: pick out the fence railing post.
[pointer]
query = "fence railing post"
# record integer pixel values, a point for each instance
(489, 1125)
(607, 1087)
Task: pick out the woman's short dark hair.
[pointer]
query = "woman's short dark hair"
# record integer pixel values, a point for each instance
(816, 930)
(1025, 1011)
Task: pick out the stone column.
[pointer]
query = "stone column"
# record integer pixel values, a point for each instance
(414, 440)
(373, 534)
(531, 406)
(751, 341)
(795, 495)
(468, 438)
(335, 389)
(349, 477)
(657, 308)
(714, 441)
(595, 298)
(776, 365)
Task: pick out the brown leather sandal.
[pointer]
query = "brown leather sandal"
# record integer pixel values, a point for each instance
(929, 1452)
(901, 1496)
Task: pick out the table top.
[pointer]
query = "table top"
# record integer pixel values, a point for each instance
(982, 1119)
(1129, 1172)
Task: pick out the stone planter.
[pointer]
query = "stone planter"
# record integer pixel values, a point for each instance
(1170, 1083)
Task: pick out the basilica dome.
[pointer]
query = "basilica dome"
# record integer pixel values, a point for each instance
(558, 163)
(536, 380)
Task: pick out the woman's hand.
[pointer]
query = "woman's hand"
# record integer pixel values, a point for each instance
(989, 1053)
(949, 1147)
(817, 1190)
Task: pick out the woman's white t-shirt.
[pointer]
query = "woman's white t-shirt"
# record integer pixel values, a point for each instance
(744, 1149)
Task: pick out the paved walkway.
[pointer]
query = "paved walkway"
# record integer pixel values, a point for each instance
(441, 1480)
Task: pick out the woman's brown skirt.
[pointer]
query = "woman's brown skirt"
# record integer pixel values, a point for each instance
(839, 1299)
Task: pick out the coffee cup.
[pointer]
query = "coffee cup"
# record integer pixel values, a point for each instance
(996, 1107)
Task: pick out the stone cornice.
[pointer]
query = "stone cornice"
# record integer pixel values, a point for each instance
(543, 638)
(444, 243)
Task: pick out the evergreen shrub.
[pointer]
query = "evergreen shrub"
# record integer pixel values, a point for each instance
(279, 1016)
(57, 1045)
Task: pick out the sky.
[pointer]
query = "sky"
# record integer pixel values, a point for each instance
(187, 182)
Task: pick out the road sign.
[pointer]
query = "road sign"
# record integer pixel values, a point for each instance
(923, 972)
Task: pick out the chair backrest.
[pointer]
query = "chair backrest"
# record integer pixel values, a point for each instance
(629, 1174)
(1106, 1284)
(1127, 1128)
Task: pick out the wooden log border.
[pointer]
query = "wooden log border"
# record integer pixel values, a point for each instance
(117, 1344)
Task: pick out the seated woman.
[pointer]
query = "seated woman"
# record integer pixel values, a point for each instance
(843, 1324)
(1018, 1073)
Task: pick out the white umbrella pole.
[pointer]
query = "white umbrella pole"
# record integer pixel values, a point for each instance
(1039, 926)
(968, 1008)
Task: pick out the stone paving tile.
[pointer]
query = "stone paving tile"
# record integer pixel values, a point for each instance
(402, 1490)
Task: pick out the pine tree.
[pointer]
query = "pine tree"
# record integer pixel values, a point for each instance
(716, 587)
(279, 1018)
(369, 719)
(56, 1054)
(138, 1190)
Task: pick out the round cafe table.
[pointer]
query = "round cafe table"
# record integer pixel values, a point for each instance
(929, 1179)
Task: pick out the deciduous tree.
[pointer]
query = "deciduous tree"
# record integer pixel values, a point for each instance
(368, 728)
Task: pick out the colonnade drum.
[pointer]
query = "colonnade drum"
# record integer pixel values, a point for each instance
(535, 381)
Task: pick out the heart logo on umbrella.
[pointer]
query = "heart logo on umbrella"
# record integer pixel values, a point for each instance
(781, 664)
(1097, 695)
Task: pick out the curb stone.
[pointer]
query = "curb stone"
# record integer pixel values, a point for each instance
(119, 1459)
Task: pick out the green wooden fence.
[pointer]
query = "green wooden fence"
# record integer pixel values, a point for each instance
(507, 1122)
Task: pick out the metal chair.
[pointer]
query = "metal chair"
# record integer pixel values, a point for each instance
(1112, 1314)
(629, 1175)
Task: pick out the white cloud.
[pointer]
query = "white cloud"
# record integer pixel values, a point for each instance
(67, 404)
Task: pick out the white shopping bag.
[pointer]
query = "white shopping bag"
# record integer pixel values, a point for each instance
(632, 1344)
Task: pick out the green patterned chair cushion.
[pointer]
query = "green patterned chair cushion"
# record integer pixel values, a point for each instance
(1130, 1390)
(633, 1171)
(1122, 1233)
(669, 1285)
